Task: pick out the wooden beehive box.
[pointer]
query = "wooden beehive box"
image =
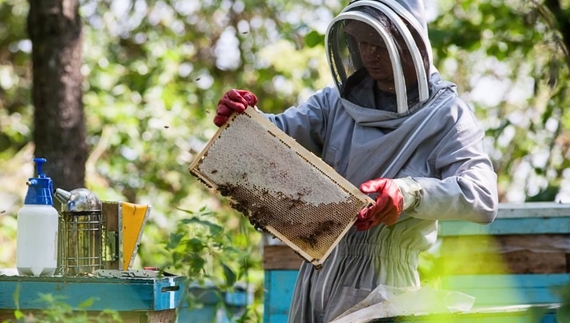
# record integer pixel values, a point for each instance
(523, 257)
(280, 186)
(525, 238)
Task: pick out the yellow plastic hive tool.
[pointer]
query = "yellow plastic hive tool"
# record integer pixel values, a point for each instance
(133, 220)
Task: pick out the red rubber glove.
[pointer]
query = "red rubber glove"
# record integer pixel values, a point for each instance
(389, 204)
(233, 101)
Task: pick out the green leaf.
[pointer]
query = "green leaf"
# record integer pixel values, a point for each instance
(197, 263)
(187, 211)
(16, 296)
(229, 274)
(192, 220)
(215, 229)
(18, 314)
(87, 303)
(174, 241)
(313, 39)
(196, 244)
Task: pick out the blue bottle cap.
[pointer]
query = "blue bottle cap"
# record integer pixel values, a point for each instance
(39, 188)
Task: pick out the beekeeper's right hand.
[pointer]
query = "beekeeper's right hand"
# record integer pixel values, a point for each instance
(394, 196)
(233, 101)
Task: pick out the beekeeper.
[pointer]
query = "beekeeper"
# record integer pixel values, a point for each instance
(394, 128)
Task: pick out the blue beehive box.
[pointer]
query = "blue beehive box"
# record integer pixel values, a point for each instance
(510, 266)
(209, 304)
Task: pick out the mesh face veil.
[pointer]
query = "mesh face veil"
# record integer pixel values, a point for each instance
(370, 39)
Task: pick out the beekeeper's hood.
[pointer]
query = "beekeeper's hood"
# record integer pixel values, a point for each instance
(397, 29)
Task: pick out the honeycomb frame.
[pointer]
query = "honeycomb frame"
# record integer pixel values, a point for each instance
(281, 187)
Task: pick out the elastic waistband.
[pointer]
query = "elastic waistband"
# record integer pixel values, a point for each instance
(387, 251)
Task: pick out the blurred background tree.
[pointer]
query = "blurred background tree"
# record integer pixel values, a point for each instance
(153, 72)
(55, 31)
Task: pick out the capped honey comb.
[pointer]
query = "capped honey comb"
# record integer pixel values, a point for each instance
(280, 186)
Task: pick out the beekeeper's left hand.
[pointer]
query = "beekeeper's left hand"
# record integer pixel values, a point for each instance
(394, 196)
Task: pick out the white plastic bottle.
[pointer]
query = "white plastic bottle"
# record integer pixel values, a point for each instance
(36, 243)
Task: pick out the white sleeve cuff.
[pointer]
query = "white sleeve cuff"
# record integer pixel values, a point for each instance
(410, 191)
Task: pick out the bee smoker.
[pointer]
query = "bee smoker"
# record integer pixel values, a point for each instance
(80, 232)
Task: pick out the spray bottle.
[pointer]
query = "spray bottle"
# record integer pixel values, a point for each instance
(36, 243)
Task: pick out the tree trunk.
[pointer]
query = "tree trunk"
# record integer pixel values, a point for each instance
(55, 29)
(562, 16)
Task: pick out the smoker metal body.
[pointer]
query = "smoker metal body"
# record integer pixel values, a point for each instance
(81, 242)
(80, 232)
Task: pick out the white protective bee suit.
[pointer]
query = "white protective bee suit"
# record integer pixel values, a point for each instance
(421, 130)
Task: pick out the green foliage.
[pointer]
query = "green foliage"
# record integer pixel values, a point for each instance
(563, 292)
(15, 82)
(511, 47)
(197, 242)
(57, 310)
(208, 255)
